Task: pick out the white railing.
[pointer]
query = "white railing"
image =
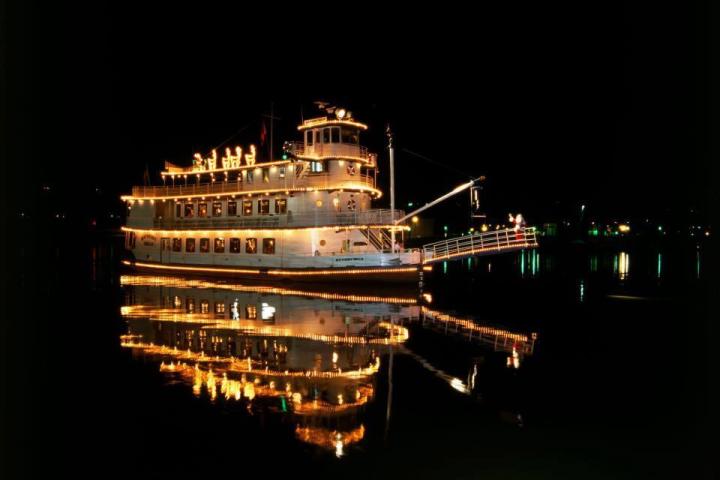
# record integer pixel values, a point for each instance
(289, 220)
(480, 244)
(312, 180)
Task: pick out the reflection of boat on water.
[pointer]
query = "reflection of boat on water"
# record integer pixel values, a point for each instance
(313, 355)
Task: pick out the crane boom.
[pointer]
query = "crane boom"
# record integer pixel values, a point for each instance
(455, 191)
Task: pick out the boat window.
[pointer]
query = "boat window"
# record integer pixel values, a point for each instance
(251, 245)
(232, 208)
(326, 135)
(190, 305)
(317, 136)
(350, 136)
(359, 244)
(202, 209)
(178, 210)
(251, 312)
(204, 306)
(335, 131)
(269, 246)
(190, 245)
(281, 172)
(204, 245)
(234, 245)
(249, 176)
(220, 309)
(316, 167)
(189, 210)
(219, 245)
(177, 245)
(217, 209)
(309, 137)
(280, 205)
(247, 207)
(264, 207)
(266, 175)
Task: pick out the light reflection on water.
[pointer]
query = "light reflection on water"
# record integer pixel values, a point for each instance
(312, 356)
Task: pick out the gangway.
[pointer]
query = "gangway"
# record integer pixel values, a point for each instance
(485, 243)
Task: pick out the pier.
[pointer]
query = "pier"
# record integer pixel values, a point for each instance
(485, 243)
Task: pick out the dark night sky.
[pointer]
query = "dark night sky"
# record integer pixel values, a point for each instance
(570, 104)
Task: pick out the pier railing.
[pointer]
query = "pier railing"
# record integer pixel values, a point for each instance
(366, 218)
(480, 244)
(321, 180)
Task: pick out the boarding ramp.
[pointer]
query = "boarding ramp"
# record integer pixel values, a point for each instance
(485, 243)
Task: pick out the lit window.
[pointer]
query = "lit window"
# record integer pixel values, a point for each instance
(217, 209)
(264, 207)
(281, 172)
(335, 135)
(177, 244)
(232, 208)
(247, 207)
(204, 306)
(219, 245)
(251, 245)
(316, 167)
(269, 246)
(190, 305)
(204, 245)
(190, 245)
(251, 312)
(202, 209)
(189, 210)
(266, 175)
(219, 308)
(280, 205)
(234, 245)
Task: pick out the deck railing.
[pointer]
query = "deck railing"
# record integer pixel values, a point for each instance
(480, 244)
(313, 180)
(331, 150)
(367, 218)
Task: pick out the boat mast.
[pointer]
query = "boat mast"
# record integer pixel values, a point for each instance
(391, 147)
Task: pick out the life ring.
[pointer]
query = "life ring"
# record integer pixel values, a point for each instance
(351, 169)
(351, 204)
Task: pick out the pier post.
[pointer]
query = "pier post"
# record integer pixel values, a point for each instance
(391, 148)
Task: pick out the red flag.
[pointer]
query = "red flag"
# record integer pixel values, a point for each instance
(263, 134)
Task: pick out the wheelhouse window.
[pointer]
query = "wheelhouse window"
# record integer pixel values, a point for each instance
(280, 205)
(309, 137)
(266, 175)
(232, 208)
(177, 244)
(269, 246)
(326, 135)
(317, 136)
(219, 245)
(204, 245)
(190, 245)
(264, 207)
(251, 245)
(202, 209)
(217, 209)
(189, 210)
(247, 207)
(234, 245)
(249, 176)
(350, 136)
(335, 135)
(178, 210)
